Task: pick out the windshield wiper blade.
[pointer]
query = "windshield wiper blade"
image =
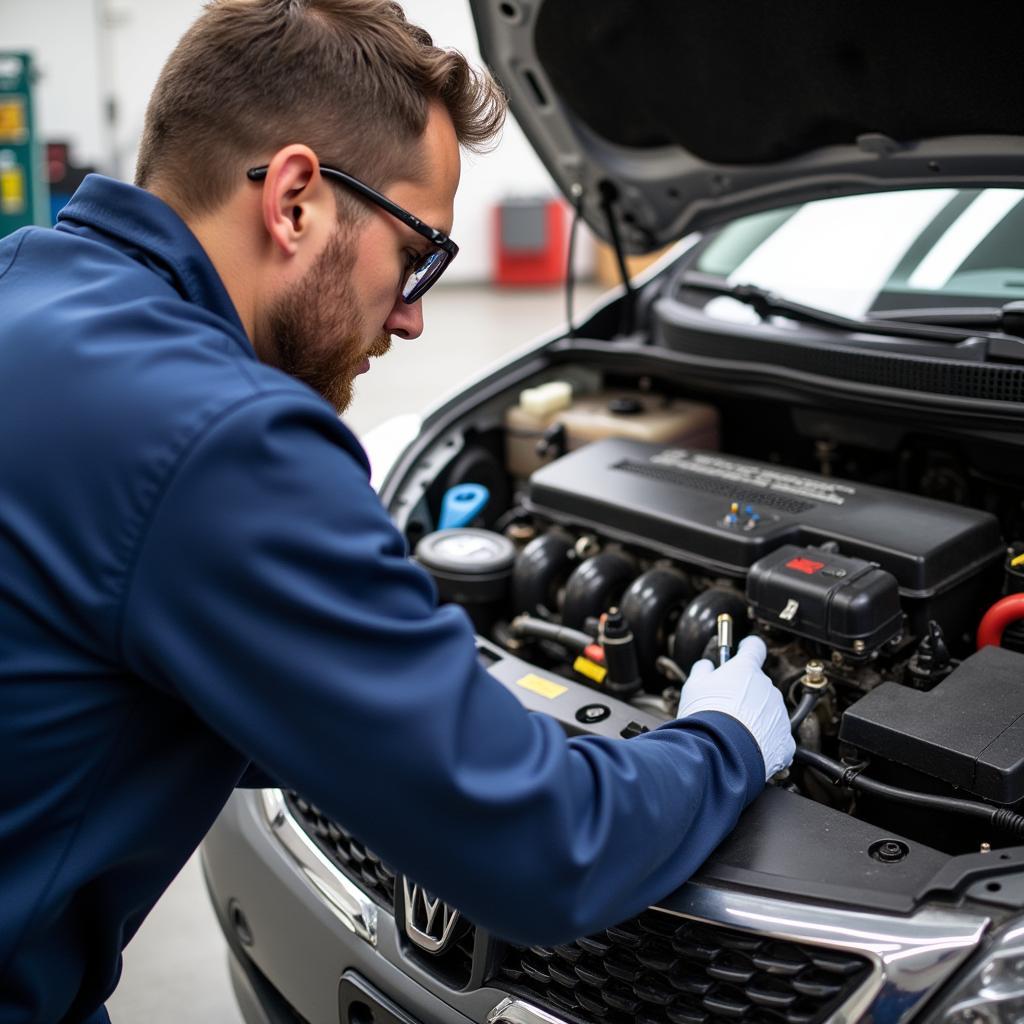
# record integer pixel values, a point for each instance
(767, 304)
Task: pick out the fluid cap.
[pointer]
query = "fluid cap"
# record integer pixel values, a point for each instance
(462, 504)
(472, 568)
(546, 399)
(625, 406)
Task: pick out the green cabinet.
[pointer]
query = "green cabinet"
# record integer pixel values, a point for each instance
(24, 196)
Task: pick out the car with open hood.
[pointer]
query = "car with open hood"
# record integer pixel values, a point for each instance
(806, 421)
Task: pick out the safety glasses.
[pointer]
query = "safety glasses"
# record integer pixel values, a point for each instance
(430, 266)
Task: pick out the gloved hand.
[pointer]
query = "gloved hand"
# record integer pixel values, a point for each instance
(740, 689)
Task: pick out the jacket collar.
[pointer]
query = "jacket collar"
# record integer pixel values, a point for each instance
(145, 228)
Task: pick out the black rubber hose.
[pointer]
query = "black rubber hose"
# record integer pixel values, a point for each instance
(649, 604)
(595, 586)
(808, 702)
(541, 567)
(574, 639)
(670, 669)
(696, 625)
(997, 816)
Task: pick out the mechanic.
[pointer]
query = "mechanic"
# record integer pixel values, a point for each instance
(198, 587)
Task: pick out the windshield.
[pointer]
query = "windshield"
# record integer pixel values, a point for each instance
(857, 255)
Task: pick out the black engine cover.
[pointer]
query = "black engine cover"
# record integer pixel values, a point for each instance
(680, 500)
(724, 513)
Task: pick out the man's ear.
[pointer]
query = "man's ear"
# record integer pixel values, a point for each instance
(294, 197)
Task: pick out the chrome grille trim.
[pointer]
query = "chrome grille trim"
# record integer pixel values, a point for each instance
(516, 1011)
(349, 904)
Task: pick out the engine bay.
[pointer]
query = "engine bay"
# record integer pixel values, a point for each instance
(606, 533)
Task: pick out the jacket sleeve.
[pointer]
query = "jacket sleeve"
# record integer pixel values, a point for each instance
(272, 594)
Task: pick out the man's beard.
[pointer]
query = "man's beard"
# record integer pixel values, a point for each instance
(316, 333)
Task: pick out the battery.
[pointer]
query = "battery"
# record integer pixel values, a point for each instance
(967, 731)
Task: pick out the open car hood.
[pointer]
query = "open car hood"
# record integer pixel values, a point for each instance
(675, 115)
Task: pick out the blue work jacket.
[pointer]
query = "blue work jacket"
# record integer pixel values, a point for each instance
(196, 576)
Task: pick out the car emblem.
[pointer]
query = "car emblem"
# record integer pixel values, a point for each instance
(429, 923)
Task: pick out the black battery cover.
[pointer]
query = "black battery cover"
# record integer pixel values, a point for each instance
(967, 731)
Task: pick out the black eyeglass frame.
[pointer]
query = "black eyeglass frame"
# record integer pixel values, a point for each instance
(445, 247)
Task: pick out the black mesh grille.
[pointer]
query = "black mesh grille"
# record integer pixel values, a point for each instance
(712, 485)
(661, 969)
(346, 852)
(935, 375)
(969, 380)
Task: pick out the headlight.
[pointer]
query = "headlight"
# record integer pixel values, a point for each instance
(992, 991)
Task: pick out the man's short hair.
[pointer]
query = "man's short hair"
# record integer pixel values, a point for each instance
(351, 79)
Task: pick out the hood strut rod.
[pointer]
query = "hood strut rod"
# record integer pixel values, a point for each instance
(570, 260)
(609, 195)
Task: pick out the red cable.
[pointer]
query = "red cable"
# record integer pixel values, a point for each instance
(998, 617)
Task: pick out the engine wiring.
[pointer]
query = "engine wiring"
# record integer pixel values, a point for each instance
(852, 778)
(573, 639)
(808, 702)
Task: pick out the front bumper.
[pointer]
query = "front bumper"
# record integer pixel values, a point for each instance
(302, 933)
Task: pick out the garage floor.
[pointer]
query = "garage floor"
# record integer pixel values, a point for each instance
(175, 968)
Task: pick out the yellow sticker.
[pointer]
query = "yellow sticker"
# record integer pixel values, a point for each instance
(538, 684)
(1019, 560)
(13, 124)
(12, 191)
(590, 669)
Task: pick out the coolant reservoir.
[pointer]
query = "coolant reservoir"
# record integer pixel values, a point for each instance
(638, 416)
(527, 422)
(634, 415)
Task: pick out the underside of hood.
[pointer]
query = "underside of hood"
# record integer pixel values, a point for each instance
(673, 115)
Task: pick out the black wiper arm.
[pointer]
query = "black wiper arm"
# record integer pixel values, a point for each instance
(1008, 318)
(766, 304)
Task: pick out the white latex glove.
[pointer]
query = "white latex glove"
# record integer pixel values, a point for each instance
(740, 689)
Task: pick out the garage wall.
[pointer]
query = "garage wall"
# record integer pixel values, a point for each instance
(61, 36)
(89, 49)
